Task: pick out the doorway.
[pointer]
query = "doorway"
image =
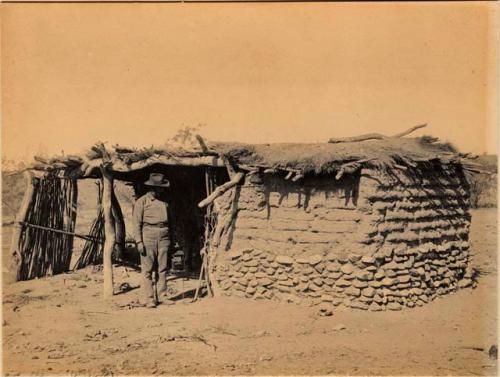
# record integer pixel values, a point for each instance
(188, 222)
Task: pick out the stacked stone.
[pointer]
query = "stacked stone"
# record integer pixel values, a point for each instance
(356, 282)
(420, 227)
(400, 244)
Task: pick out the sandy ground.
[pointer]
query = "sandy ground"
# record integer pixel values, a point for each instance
(60, 325)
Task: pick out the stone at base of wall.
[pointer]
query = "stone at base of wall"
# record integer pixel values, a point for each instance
(363, 283)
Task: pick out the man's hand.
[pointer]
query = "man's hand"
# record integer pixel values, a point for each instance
(141, 249)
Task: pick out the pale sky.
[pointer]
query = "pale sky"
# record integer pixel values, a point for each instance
(73, 74)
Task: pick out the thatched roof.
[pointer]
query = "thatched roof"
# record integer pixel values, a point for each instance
(299, 157)
(326, 157)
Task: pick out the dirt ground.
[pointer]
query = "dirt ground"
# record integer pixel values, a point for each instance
(60, 325)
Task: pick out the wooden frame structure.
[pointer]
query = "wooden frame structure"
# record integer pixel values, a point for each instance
(106, 168)
(339, 157)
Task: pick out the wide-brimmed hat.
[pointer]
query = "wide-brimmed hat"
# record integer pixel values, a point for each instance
(157, 180)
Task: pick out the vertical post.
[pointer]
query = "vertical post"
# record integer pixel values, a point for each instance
(212, 255)
(71, 198)
(119, 225)
(109, 232)
(15, 249)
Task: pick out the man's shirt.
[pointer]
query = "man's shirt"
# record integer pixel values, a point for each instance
(148, 210)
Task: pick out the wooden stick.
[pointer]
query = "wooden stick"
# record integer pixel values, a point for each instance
(221, 190)
(374, 136)
(408, 162)
(206, 247)
(109, 231)
(410, 130)
(120, 225)
(400, 167)
(353, 139)
(479, 171)
(351, 167)
(15, 249)
(59, 231)
(89, 168)
(200, 279)
(203, 146)
(471, 164)
(340, 173)
(106, 157)
(270, 171)
(207, 279)
(73, 209)
(231, 169)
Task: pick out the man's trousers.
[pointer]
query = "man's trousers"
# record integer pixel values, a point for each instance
(156, 242)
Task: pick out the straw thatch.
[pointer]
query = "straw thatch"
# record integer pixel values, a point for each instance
(327, 158)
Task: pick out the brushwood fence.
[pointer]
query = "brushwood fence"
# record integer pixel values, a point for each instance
(46, 238)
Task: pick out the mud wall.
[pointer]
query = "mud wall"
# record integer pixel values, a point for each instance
(373, 241)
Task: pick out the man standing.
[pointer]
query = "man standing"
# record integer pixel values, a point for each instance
(151, 232)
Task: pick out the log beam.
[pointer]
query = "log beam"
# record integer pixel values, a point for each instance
(351, 167)
(221, 190)
(375, 136)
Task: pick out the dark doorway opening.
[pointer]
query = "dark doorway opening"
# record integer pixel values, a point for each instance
(188, 186)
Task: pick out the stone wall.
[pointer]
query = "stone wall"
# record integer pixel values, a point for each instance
(379, 240)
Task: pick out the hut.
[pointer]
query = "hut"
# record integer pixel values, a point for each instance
(374, 223)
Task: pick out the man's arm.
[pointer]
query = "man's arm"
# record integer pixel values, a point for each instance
(137, 216)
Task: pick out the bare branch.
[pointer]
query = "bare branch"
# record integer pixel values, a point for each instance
(374, 136)
(203, 146)
(353, 139)
(410, 130)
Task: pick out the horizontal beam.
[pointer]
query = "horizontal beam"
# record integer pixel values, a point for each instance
(88, 238)
(119, 166)
(221, 190)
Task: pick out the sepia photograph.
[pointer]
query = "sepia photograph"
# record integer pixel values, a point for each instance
(218, 188)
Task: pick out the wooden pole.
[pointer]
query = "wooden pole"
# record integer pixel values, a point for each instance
(351, 167)
(202, 143)
(15, 252)
(221, 190)
(119, 225)
(231, 170)
(410, 130)
(354, 139)
(72, 204)
(59, 231)
(375, 136)
(204, 270)
(109, 232)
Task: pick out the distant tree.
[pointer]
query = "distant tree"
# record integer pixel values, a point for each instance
(185, 137)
